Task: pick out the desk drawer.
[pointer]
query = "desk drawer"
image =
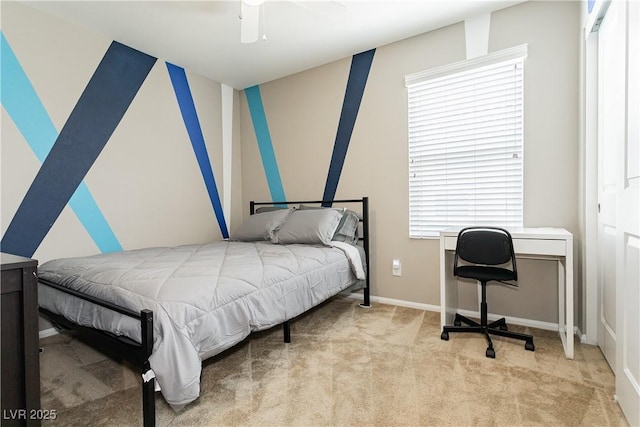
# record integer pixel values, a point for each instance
(542, 247)
(539, 247)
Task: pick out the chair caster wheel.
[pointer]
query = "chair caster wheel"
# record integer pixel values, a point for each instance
(457, 323)
(491, 353)
(444, 336)
(529, 346)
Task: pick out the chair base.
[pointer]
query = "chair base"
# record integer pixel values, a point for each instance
(499, 327)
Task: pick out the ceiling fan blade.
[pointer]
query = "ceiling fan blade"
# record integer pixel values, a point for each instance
(250, 22)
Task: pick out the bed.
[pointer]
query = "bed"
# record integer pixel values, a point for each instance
(167, 309)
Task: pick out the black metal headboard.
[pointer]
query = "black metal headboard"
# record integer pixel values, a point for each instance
(364, 219)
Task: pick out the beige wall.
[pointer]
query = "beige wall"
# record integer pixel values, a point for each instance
(146, 181)
(303, 112)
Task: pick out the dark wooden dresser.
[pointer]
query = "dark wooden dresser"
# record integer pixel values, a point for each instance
(20, 375)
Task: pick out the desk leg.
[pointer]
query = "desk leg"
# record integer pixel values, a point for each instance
(569, 301)
(565, 303)
(448, 288)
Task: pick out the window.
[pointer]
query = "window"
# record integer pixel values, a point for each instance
(465, 144)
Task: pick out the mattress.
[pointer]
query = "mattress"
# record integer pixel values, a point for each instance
(205, 298)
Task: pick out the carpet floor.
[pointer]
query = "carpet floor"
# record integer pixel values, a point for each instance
(349, 366)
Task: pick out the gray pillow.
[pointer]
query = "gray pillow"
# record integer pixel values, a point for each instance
(263, 209)
(261, 226)
(307, 207)
(313, 226)
(347, 230)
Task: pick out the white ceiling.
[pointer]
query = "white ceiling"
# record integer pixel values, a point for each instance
(204, 36)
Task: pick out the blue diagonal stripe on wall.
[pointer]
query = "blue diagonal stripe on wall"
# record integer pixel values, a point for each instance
(100, 108)
(360, 66)
(261, 129)
(23, 105)
(191, 122)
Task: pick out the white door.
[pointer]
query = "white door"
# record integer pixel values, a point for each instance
(619, 195)
(628, 236)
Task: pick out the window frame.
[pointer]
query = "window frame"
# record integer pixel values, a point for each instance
(514, 55)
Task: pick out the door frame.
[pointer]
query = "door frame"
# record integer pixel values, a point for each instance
(591, 295)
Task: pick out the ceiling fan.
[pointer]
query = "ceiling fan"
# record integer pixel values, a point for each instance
(250, 20)
(252, 10)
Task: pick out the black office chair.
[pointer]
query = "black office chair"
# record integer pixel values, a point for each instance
(483, 249)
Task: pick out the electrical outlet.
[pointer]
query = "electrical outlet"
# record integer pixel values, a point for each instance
(396, 268)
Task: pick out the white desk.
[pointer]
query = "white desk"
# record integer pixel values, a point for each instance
(530, 243)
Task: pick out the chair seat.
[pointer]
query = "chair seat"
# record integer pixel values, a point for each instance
(484, 273)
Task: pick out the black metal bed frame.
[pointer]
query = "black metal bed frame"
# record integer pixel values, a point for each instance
(364, 238)
(124, 347)
(139, 353)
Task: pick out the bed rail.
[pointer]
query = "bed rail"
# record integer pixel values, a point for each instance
(123, 347)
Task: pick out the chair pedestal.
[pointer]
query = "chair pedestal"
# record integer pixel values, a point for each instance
(499, 327)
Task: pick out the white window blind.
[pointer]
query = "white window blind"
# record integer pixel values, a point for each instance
(465, 144)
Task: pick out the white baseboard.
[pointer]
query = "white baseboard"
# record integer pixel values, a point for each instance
(48, 333)
(398, 302)
(583, 337)
(469, 313)
(514, 320)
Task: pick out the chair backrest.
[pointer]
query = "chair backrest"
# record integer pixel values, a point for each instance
(485, 245)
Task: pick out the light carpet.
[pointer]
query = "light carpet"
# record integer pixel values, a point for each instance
(349, 366)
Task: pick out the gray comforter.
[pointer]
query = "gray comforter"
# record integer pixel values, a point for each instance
(205, 298)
